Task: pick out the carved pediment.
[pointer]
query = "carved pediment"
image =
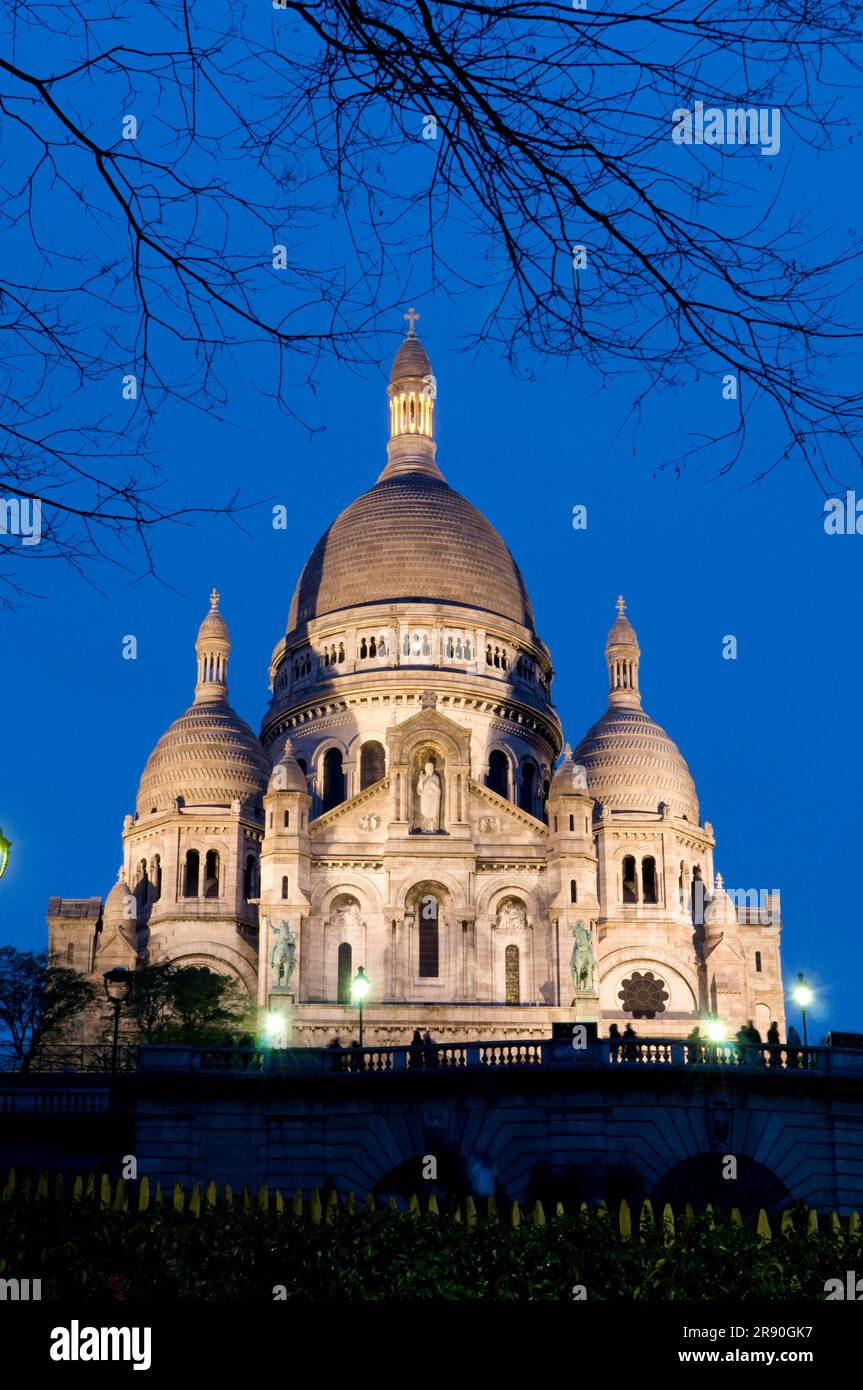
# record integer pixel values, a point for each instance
(487, 806)
(428, 725)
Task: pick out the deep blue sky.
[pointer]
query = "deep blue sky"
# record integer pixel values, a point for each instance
(771, 738)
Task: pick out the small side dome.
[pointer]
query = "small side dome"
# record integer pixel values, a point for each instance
(114, 913)
(287, 775)
(720, 911)
(209, 756)
(569, 777)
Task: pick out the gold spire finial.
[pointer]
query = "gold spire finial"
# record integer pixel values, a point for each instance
(412, 316)
(214, 600)
(621, 605)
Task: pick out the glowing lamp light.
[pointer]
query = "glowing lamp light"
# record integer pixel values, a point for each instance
(360, 986)
(716, 1031)
(5, 846)
(273, 1024)
(803, 996)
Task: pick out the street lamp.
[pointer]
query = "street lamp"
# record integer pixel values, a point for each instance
(716, 1031)
(274, 1026)
(5, 846)
(359, 989)
(802, 996)
(118, 982)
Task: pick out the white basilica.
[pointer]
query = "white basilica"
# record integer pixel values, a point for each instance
(406, 807)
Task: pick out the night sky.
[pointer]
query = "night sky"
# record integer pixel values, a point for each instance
(771, 738)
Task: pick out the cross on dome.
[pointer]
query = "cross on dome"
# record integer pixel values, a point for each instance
(621, 605)
(412, 317)
(214, 599)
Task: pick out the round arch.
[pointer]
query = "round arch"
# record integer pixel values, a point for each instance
(213, 955)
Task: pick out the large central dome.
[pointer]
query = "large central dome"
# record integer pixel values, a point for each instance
(411, 537)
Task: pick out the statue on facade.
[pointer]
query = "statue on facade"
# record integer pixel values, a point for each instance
(430, 792)
(346, 917)
(283, 956)
(583, 961)
(512, 917)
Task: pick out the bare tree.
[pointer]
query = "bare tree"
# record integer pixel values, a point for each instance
(192, 185)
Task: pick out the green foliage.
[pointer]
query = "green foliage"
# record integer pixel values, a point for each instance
(38, 999)
(190, 1004)
(82, 1249)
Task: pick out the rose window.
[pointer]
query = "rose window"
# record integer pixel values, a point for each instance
(644, 995)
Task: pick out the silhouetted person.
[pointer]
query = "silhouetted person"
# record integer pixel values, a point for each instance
(773, 1059)
(696, 1051)
(613, 1031)
(629, 1050)
(417, 1058)
(430, 1052)
(793, 1052)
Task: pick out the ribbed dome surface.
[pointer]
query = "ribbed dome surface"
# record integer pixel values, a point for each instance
(411, 537)
(209, 756)
(411, 360)
(632, 765)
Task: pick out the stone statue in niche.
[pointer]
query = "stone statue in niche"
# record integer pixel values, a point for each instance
(429, 792)
(582, 962)
(346, 916)
(511, 917)
(283, 956)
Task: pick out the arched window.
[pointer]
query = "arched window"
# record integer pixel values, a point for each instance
(428, 933)
(70, 953)
(681, 884)
(758, 961)
(156, 876)
(334, 779)
(513, 992)
(488, 655)
(546, 788)
(211, 874)
(528, 784)
(406, 646)
(364, 651)
(382, 646)
(373, 647)
(191, 874)
(697, 895)
(573, 891)
(250, 877)
(287, 819)
(648, 880)
(345, 972)
(285, 886)
(571, 824)
(498, 773)
(450, 649)
(630, 882)
(372, 764)
(341, 652)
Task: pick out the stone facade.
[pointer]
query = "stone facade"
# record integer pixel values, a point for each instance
(405, 809)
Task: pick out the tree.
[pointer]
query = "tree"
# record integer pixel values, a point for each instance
(38, 998)
(193, 182)
(205, 1004)
(192, 1004)
(150, 1003)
